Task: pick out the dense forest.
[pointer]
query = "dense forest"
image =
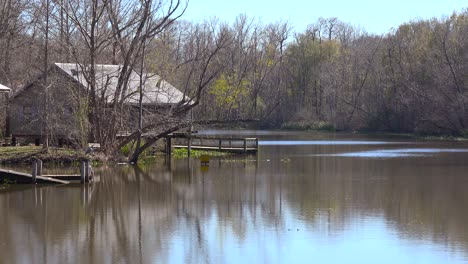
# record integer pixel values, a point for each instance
(332, 76)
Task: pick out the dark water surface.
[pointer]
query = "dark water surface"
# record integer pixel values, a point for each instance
(308, 198)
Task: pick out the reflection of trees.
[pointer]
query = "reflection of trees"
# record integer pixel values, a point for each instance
(141, 215)
(134, 214)
(417, 200)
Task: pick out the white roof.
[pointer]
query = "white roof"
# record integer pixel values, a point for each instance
(156, 90)
(4, 89)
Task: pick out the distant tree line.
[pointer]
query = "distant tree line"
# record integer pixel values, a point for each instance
(331, 76)
(336, 76)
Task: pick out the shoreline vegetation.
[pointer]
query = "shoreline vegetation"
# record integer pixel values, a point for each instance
(25, 154)
(331, 76)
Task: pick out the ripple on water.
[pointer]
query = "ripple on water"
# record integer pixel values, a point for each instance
(397, 153)
(326, 142)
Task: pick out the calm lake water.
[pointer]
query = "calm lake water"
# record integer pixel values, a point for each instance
(306, 198)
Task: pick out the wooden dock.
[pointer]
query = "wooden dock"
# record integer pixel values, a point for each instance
(15, 177)
(36, 177)
(203, 142)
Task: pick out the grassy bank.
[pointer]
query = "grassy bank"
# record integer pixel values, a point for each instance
(25, 154)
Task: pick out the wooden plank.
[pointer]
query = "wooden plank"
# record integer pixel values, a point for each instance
(19, 177)
(34, 172)
(64, 176)
(39, 167)
(194, 136)
(217, 146)
(235, 144)
(68, 178)
(241, 149)
(83, 172)
(212, 147)
(48, 180)
(189, 147)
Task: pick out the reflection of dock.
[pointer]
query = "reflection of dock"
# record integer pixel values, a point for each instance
(36, 177)
(211, 143)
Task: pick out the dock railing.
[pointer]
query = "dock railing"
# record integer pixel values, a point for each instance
(202, 142)
(86, 172)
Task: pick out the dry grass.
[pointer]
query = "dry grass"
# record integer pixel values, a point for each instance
(24, 154)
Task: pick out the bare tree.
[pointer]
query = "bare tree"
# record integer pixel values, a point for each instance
(201, 65)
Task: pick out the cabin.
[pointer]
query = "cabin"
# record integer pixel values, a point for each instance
(66, 105)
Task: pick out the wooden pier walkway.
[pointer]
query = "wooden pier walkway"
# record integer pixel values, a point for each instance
(21, 178)
(204, 142)
(36, 177)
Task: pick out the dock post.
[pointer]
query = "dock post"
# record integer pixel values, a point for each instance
(219, 144)
(83, 172)
(34, 171)
(87, 170)
(168, 147)
(39, 167)
(245, 145)
(189, 147)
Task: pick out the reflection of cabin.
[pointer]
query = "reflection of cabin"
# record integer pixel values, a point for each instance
(66, 104)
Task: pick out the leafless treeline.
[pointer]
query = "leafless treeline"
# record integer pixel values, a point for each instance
(134, 34)
(333, 75)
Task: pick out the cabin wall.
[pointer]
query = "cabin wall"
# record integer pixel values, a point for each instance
(67, 116)
(26, 113)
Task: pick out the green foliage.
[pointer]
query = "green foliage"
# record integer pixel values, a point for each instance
(464, 133)
(125, 150)
(8, 182)
(181, 153)
(228, 90)
(130, 147)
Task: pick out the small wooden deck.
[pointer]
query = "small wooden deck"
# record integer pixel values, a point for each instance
(203, 142)
(36, 177)
(224, 149)
(9, 176)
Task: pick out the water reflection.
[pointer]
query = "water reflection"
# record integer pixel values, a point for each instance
(397, 153)
(301, 209)
(326, 142)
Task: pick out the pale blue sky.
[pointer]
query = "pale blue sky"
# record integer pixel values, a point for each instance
(374, 15)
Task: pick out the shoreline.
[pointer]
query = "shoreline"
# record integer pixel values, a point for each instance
(25, 154)
(60, 156)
